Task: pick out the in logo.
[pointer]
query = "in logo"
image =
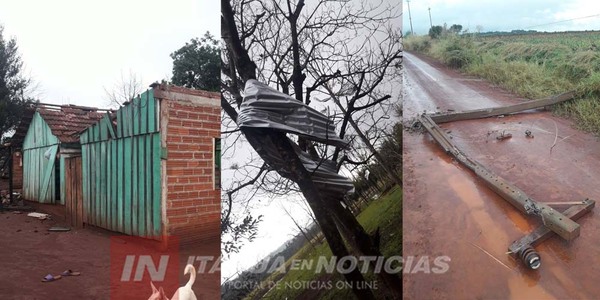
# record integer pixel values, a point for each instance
(135, 262)
(144, 262)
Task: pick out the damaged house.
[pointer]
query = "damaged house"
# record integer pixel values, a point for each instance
(149, 169)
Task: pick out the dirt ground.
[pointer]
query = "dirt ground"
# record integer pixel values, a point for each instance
(447, 211)
(28, 252)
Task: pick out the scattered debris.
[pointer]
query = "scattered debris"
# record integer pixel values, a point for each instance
(50, 278)
(528, 134)
(40, 216)
(70, 273)
(59, 229)
(504, 136)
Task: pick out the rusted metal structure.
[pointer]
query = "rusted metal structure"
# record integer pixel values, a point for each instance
(554, 222)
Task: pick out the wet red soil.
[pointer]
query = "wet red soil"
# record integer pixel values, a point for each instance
(28, 252)
(447, 211)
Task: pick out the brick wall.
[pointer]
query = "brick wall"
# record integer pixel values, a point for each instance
(193, 204)
(17, 170)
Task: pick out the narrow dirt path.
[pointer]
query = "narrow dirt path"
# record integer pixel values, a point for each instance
(447, 211)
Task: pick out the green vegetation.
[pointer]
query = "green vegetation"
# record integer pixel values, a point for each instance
(385, 213)
(198, 64)
(531, 65)
(435, 32)
(13, 85)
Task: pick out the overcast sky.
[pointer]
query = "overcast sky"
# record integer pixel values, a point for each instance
(73, 49)
(503, 15)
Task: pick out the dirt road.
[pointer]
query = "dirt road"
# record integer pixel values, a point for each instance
(448, 212)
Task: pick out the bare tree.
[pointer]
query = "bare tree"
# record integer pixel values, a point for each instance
(302, 230)
(316, 52)
(123, 90)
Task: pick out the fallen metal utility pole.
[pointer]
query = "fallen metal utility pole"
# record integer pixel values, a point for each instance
(553, 221)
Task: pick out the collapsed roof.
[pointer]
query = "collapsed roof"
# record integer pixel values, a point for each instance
(65, 121)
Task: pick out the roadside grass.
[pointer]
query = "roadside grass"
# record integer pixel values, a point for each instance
(385, 213)
(532, 66)
(418, 43)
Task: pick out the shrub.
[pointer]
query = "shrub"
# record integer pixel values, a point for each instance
(417, 43)
(456, 51)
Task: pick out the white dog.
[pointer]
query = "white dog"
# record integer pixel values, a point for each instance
(183, 293)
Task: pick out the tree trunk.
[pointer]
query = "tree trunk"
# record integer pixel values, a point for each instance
(360, 240)
(318, 205)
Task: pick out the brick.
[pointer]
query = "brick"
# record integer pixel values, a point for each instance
(175, 172)
(176, 212)
(184, 203)
(178, 220)
(173, 139)
(193, 205)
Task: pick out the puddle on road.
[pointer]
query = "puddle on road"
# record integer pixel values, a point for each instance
(471, 196)
(478, 218)
(525, 287)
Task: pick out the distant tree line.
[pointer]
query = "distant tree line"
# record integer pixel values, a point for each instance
(517, 31)
(439, 31)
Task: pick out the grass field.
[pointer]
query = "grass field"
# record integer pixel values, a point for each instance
(385, 213)
(530, 65)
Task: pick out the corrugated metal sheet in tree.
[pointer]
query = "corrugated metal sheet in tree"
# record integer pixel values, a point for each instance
(267, 108)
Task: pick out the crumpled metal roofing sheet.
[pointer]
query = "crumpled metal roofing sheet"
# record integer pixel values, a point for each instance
(266, 108)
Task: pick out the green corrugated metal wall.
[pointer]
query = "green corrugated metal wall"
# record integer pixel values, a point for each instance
(39, 182)
(121, 170)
